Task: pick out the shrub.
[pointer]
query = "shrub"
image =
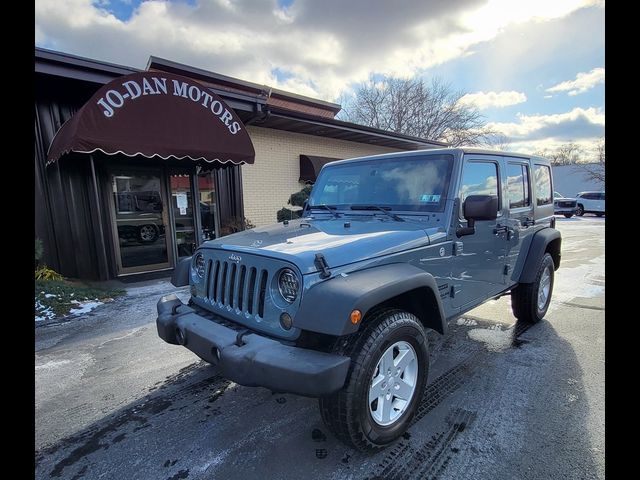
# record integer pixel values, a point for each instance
(46, 273)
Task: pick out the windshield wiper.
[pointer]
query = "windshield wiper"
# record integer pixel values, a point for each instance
(325, 207)
(377, 207)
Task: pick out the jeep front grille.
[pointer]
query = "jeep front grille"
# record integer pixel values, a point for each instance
(237, 286)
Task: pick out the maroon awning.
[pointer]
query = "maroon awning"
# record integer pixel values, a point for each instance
(156, 114)
(310, 166)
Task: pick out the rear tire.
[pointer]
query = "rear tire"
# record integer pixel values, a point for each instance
(356, 414)
(530, 301)
(599, 214)
(579, 210)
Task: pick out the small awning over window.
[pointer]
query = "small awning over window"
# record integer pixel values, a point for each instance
(156, 114)
(310, 166)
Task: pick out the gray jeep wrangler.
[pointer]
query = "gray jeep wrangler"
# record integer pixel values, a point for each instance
(335, 305)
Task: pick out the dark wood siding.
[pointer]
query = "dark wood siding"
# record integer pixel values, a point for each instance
(64, 199)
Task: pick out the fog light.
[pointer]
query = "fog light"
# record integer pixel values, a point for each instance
(356, 316)
(286, 321)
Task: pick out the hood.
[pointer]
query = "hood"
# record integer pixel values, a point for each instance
(300, 240)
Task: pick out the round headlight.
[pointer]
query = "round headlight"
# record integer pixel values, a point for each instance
(198, 265)
(288, 285)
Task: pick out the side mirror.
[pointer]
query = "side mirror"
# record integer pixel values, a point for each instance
(477, 207)
(304, 207)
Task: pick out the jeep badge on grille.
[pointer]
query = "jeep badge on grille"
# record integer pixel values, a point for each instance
(235, 258)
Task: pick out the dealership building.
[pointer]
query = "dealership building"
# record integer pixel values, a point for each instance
(135, 168)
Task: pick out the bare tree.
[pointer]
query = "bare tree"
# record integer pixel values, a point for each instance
(566, 154)
(413, 107)
(499, 141)
(596, 171)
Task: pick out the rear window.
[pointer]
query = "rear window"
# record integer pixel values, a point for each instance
(542, 178)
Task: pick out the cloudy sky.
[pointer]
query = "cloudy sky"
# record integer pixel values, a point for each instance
(534, 67)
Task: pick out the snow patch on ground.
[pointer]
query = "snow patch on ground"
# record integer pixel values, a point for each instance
(43, 313)
(578, 282)
(469, 322)
(85, 307)
(52, 364)
(494, 338)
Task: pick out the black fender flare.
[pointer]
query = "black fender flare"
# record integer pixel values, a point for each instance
(326, 306)
(180, 275)
(537, 248)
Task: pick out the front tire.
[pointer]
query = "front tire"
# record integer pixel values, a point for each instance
(530, 301)
(579, 210)
(568, 215)
(385, 383)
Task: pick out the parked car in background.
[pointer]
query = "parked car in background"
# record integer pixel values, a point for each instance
(590, 202)
(139, 216)
(563, 205)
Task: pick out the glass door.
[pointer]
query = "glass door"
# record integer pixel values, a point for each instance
(183, 213)
(140, 221)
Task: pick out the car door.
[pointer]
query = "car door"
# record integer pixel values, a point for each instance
(520, 222)
(588, 201)
(477, 270)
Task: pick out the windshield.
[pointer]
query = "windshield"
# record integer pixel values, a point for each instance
(414, 183)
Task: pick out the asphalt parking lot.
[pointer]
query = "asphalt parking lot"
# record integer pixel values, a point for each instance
(505, 400)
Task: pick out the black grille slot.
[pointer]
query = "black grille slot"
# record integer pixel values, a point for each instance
(263, 291)
(232, 284)
(207, 285)
(223, 282)
(214, 292)
(243, 274)
(251, 289)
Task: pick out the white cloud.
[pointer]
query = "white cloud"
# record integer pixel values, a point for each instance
(532, 133)
(572, 125)
(326, 46)
(584, 81)
(484, 100)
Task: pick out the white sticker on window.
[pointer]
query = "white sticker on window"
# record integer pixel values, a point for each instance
(430, 198)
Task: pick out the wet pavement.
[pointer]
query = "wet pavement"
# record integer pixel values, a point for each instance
(504, 401)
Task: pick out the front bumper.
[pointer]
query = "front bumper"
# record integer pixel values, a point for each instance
(563, 210)
(259, 361)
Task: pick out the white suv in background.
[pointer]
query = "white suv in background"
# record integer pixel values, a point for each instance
(590, 202)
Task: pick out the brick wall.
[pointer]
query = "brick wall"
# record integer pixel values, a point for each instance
(268, 183)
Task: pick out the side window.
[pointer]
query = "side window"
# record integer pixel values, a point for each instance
(479, 178)
(542, 177)
(518, 185)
